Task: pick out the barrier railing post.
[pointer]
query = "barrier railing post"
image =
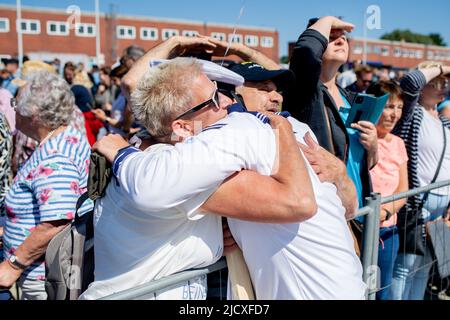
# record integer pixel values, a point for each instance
(376, 198)
(370, 244)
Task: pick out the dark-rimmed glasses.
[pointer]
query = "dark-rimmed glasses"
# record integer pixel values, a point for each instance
(214, 99)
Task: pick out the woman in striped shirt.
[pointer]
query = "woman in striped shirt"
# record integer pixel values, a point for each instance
(42, 199)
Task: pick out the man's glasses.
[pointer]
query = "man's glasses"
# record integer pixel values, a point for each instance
(439, 84)
(214, 99)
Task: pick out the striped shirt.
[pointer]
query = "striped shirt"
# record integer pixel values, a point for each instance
(46, 189)
(408, 128)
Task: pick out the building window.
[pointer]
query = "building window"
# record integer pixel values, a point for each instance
(236, 38)
(405, 53)
(126, 32)
(251, 41)
(30, 26)
(385, 51)
(149, 34)
(412, 54)
(219, 36)
(266, 42)
(190, 33)
(397, 52)
(57, 28)
(419, 54)
(167, 33)
(430, 55)
(376, 49)
(357, 49)
(4, 25)
(85, 30)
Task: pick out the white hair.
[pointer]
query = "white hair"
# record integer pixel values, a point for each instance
(48, 98)
(163, 93)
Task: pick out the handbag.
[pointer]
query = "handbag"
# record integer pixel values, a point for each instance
(412, 229)
(438, 233)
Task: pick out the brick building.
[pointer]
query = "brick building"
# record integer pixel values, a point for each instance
(50, 33)
(394, 53)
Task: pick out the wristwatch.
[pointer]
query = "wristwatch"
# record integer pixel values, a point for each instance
(13, 260)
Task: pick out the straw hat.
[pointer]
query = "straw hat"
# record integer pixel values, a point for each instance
(29, 68)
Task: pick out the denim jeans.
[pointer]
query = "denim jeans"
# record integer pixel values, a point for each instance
(411, 271)
(387, 254)
(5, 295)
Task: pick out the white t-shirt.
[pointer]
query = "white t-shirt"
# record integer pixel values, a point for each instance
(346, 78)
(134, 246)
(431, 145)
(313, 260)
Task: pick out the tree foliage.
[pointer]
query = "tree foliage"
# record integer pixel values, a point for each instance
(412, 37)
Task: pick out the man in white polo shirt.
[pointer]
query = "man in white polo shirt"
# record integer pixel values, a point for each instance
(313, 259)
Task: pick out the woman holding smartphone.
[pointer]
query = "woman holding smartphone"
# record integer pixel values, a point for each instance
(318, 101)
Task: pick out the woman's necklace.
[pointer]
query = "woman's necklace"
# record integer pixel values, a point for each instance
(49, 135)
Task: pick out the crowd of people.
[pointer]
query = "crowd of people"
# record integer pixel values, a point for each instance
(211, 157)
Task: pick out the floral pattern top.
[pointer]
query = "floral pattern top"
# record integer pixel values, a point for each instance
(45, 189)
(5, 163)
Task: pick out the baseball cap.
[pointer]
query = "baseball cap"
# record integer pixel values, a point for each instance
(252, 71)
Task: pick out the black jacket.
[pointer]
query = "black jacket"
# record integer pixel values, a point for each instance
(310, 102)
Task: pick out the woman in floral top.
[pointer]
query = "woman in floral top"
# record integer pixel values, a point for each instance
(42, 199)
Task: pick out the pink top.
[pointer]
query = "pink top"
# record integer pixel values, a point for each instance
(6, 109)
(386, 174)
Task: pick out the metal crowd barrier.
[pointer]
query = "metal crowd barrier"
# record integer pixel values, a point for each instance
(369, 254)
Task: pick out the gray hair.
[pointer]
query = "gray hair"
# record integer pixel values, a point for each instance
(163, 93)
(48, 98)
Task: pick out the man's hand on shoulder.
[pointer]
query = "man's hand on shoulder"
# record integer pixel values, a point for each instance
(327, 167)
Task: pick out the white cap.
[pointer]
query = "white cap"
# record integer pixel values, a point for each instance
(213, 71)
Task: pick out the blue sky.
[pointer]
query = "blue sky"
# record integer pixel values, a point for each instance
(287, 16)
